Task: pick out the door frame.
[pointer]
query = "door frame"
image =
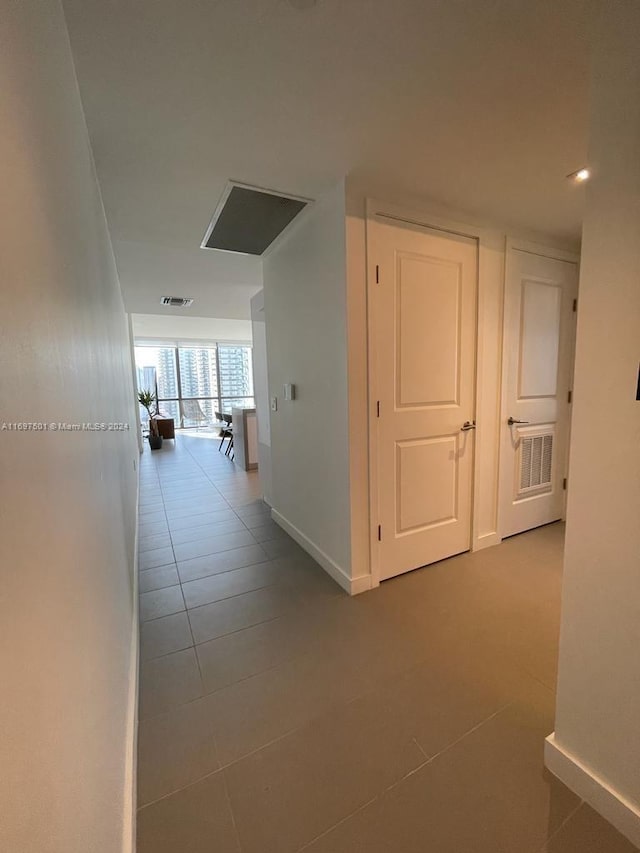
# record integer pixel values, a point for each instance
(514, 244)
(488, 243)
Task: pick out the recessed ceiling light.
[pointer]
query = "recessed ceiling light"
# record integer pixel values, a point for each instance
(580, 176)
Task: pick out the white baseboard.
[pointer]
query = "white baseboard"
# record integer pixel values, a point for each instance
(593, 790)
(352, 586)
(131, 746)
(487, 540)
(361, 584)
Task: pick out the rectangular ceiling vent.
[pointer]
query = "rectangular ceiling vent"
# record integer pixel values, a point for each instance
(248, 219)
(176, 301)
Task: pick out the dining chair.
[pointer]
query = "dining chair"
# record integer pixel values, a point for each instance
(223, 423)
(228, 419)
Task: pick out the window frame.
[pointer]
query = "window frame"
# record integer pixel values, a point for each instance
(218, 399)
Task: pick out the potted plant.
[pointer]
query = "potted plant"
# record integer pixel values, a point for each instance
(147, 399)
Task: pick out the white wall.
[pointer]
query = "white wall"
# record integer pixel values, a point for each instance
(596, 746)
(261, 391)
(67, 515)
(305, 309)
(176, 327)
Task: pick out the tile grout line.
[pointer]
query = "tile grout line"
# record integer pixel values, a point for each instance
(455, 742)
(193, 639)
(296, 728)
(268, 559)
(225, 572)
(550, 838)
(365, 693)
(223, 498)
(221, 637)
(308, 844)
(230, 597)
(215, 600)
(415, 740)
(212, 640)
(231, 811)
(208, 477)
(368, 691)
(140, 594)
(195, 645)
(187, 609)
(172, 793)
(223, 551)
(161, 566)
(184, 601)
(210, 480)
(222, 767)
(408, 775)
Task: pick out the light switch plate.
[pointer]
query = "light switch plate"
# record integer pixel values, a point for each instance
(289, 391)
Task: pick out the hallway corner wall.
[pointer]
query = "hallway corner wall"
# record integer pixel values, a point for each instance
(306, 324)
(596, 745)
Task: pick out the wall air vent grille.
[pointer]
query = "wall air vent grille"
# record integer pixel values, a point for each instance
(535, 462)
(247, 220)
(176, 301)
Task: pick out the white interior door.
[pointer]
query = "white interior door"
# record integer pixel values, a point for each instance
(423, 303)
(539, 328)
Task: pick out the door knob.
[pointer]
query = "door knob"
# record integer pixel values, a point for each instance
(467, 425)
(513, 421)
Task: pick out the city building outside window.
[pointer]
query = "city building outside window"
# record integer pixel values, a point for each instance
(194, 382)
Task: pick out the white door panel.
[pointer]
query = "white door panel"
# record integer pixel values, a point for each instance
(539, 328)
(540, 337)
(424, 327)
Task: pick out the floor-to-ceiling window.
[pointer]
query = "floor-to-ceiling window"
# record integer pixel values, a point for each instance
(193, 382)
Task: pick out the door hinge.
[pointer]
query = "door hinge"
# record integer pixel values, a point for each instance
(379, 533)
(575, 305)
(569, 396)
(378, 409)
(564, 483)
(377, 274)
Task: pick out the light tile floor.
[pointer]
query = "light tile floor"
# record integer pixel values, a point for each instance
(277, 714)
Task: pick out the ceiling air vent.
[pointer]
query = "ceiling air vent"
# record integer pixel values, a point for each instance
(176, 301)
(248, 219)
